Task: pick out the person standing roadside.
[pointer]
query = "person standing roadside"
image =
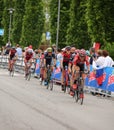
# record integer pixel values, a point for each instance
(19, 50)
(108, 62)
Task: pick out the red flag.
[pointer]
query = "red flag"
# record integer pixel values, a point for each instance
(96, 45)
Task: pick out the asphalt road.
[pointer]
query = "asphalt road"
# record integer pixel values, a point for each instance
(26, 105)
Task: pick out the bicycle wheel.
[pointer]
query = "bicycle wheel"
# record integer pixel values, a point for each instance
(81, 96)
(51, 85)
(68, 89)
(48, 83)
(41, 79)
(76, 95)
(48, 78)
(65, 88)
(11, 72)
(29, 76)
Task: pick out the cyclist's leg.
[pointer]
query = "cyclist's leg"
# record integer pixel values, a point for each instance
(75, 76)
(62, 79)
(25, 61)
(9, 64)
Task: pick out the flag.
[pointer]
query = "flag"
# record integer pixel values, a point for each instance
(96, 46)
(99, 76)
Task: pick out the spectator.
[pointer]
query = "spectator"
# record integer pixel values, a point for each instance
(108, 60)
(100, 58)
(92, 55)
(54, 48)
(19, 50)
(59, 57)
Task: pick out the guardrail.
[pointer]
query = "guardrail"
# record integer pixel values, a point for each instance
(19, 64)
(90, 83)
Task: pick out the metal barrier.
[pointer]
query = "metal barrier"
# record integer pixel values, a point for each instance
(19, 67)
(19, 64)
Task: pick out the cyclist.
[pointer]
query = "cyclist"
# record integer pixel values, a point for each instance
(65, 62)
(73, 53)
(42, 67)
(28, 57)
(79, 65)
(12, 58)
(49, 59)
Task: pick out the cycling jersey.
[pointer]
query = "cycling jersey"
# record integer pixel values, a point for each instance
(12, 53)
(49, 58)
(42, 60)
(66, 59)
(79, 62)
(72, 58)
(28, 55)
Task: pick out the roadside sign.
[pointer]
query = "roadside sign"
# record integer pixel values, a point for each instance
(1, 32)
(48, 36)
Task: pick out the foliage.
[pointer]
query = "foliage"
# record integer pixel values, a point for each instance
(64, 20)
(33, 23)
(1, 26)
(77, 32)
(17, 20)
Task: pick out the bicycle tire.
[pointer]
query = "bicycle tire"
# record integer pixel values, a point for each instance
(81, 96)
(47, 84)
(51, 85)
(76, 95)
(29, 76)
(11, 72)
(48, 78)
(65, 88)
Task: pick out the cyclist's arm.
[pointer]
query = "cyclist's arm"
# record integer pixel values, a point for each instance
(69, 67)
(87, 64)
(54, 61)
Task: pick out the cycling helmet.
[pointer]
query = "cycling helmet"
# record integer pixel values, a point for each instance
(49, 49)
(77, 51)
(30, 46)
(29, 50)
(82, 52)
(13, 47)
(67, 48)
(87, 53)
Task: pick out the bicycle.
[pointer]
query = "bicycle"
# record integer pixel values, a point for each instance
(11, 69)
(42, 75)
(49, 79)
(66, 85)
(28, 71)
(78, 88)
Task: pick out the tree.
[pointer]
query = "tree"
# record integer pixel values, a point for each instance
(64, 20)
(77, 32)
(6, 19)
(17, 20)
(1, 25)
(100, 20)
(33, 23)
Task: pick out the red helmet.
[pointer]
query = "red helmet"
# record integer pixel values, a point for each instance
(67, 48)
(77, 51)
(30, 46)
(82, 52)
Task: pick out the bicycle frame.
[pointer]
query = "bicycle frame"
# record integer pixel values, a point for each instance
(28, 71)
(66, 79)
(11, 70)
(78, 92)
(49, 78)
